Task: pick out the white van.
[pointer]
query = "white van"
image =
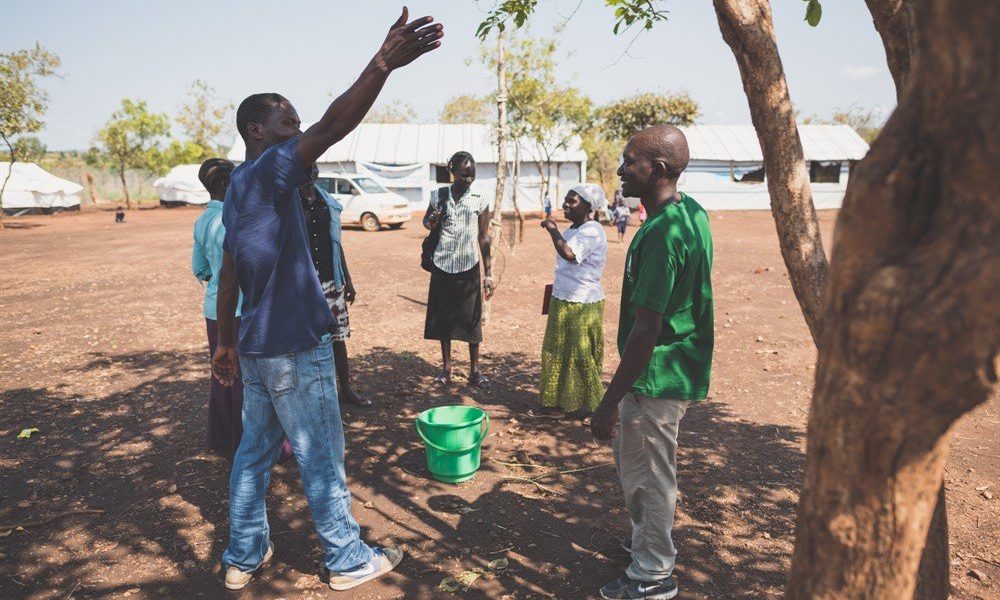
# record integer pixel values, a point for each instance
(365, 201)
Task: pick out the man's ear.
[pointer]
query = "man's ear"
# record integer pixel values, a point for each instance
(660, 170)
(253, 129)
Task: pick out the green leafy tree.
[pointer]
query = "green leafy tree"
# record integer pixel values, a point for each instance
(467, 108)
(396, 111)
(131, 139)
(617, 121)
(866, 121)
(205, 121)
(27, 149)
(22, 101)
(623, 118)
(540, 111)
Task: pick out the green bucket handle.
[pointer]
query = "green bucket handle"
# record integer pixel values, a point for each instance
(482, 436)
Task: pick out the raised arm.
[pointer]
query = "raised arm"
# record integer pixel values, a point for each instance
(562, 248)
(404, 43)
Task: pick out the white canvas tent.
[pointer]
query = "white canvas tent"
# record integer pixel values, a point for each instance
(410, 159)
(181, 187)
(31, 189)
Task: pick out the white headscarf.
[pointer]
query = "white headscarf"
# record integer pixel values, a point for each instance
(592, 194)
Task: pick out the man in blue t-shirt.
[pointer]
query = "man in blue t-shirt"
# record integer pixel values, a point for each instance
(285, 355)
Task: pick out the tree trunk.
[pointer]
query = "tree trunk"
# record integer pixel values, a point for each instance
(496, 219)
(128, 199)
(92, 189)
(910, 336)
(10, 171)
(517, 206)
(894, 22)
(933, 575)
(747, 27)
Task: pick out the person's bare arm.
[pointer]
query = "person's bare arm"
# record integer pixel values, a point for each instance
(350, 294)
(638, 351)
(431, 217)
(404, 44)
(225, 359)
(562, 248)
(484, 248)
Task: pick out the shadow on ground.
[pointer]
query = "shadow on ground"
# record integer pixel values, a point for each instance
(137, 455)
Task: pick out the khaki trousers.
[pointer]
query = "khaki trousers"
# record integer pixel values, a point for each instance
(645, 449)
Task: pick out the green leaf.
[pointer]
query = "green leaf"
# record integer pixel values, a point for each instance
(449, 584)
(26, 433)
(814, 12)
(498, 565)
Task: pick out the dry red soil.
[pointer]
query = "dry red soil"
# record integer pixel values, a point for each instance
(104, 351)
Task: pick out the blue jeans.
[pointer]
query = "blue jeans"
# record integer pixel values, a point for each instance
(293, 395)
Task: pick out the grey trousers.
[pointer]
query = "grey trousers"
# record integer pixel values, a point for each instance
(645, 449)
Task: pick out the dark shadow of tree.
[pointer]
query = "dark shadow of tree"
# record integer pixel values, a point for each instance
(138, 454)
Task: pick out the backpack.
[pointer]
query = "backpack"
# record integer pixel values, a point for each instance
(430, 243)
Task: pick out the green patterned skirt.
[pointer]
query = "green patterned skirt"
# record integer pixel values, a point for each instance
(572, 356)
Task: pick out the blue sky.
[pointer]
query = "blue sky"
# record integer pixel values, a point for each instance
(308, 50)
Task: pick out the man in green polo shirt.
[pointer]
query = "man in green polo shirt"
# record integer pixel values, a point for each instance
(665, 338)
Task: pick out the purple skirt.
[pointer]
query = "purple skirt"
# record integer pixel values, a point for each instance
(225, 406)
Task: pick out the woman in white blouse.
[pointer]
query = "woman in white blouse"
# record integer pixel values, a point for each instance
(573, 349)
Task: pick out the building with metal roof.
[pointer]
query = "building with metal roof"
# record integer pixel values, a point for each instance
(726, 171)
(411, 160)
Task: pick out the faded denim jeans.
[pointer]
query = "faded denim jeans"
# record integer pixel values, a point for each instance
(645, 449)
(293, 395)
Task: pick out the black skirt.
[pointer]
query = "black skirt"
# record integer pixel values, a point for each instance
(455, 306)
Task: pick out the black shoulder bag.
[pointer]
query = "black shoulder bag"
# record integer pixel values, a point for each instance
(430, 243)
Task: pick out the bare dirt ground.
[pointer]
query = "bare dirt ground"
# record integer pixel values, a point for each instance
(104, 351)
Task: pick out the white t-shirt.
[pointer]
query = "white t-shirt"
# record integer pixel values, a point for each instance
(581, 281)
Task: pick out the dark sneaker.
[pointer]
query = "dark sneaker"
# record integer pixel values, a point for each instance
(624, 588)
(237, 580)
(383, 560)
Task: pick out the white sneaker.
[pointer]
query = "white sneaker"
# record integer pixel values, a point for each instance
(383, 560)
(237, 580)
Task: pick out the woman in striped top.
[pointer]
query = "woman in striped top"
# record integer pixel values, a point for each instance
(455, 300)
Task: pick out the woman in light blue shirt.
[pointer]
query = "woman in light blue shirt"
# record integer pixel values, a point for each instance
(225, 404)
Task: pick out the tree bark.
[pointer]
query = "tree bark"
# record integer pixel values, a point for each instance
(496, 219)
(911, 335)
(128, 199)
(92, 189)
(517, 206)
(10, 171)
(894, 22)
(933, 574)
(747, 27)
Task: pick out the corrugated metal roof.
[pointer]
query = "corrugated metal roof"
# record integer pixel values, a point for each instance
(401, 144)
(739, 143)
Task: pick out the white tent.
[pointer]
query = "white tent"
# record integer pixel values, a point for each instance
(181, 186)
(32, 189)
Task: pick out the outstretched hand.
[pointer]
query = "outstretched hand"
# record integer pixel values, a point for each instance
(407, 41)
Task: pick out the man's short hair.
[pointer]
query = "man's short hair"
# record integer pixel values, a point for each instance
(255, 109)
(206, 169)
